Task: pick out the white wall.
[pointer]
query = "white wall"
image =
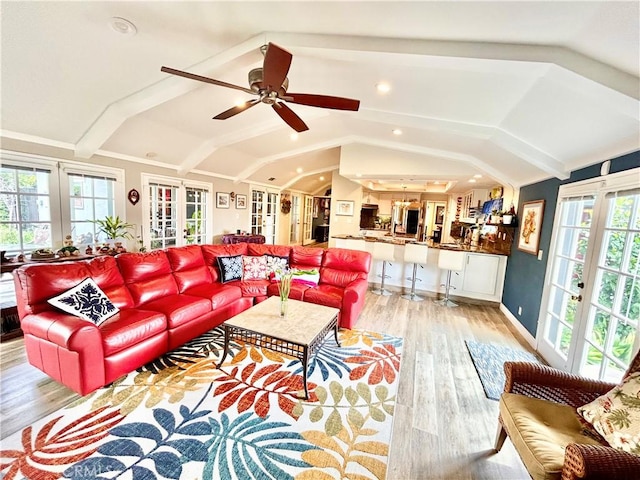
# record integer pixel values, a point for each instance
(344, 189)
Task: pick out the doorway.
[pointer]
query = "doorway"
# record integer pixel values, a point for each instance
(589, 323)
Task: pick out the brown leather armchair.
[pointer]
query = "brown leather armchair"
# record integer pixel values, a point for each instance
(538, 413)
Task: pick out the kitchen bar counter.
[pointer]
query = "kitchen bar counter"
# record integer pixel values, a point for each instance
(481, 279)
(398, 240)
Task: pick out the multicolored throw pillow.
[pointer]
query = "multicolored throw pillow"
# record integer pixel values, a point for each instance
(254, 268)
(87, 301)
(309, 277)
(230, 268)
(616, 415)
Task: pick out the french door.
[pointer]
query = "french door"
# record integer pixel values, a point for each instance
(307, 220)
(294, 227)
(590, 321)
(264, 210)
(177, 212)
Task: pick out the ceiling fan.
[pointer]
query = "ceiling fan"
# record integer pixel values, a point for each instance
(270, 84)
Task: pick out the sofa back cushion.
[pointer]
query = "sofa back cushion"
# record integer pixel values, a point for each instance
(105, 272)
(212, 252)
(306, 258)
(148, 276)
(39, 283)
(342, 266)
(188, 266)
(258, 249)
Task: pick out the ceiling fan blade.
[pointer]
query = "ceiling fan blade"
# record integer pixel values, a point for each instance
(235, 110)
(276, 66)
(290, 117)
(324, 101)
(200, 78)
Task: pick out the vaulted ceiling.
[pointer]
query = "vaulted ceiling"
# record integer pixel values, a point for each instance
(513, 91)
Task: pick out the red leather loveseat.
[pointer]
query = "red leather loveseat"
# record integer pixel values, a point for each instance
(165, 298)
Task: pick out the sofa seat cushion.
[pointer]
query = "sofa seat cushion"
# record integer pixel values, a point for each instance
(130, 327)
(540, 430)
(296, 292)
(220, 294)
(328, 295)
(180, 308)
(252, 288)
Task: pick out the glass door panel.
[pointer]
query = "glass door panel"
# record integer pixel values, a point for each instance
(294, 228)
(307, 220)
(567, 278)
(195, 223)
(614, 308)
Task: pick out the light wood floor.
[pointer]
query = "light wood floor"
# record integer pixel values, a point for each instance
(444, 426)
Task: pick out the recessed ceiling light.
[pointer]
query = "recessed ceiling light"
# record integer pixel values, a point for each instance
(299, 170)
(436, 182)
(322, 179)
(358, 175)
(397, 131)
(123, 26)
(293, 136)
(383, 87)
(239, 102)
(472, 180)
(477, 175)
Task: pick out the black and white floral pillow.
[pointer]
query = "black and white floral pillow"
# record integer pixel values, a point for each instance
(230, 268)
(86, 301)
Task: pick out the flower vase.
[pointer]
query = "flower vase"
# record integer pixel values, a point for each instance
(285, 288)
(284, 305)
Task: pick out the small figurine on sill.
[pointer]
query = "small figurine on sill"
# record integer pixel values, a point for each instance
(68, 249)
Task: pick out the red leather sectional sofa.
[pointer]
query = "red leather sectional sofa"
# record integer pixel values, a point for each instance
(165, 297)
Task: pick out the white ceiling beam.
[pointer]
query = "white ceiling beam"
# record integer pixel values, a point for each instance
(309, 174)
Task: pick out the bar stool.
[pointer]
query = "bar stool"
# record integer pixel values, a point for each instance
(383, 251)
(451, 261)
(416, 254)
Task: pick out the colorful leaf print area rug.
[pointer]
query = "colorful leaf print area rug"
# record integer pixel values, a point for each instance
(182, 418)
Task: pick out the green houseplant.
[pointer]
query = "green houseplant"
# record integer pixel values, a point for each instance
(114, 228)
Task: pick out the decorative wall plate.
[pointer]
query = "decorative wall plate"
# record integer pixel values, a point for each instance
(133, 196)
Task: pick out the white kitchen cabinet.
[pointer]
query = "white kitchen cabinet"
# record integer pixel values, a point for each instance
(481, 272)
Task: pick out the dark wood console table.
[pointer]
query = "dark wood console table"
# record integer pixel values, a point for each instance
(231, 238)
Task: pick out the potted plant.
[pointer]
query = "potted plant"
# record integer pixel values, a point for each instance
(495, 216)
(507, 218)
(114, 228)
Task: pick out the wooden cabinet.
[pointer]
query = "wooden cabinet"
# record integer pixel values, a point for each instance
(481, 273)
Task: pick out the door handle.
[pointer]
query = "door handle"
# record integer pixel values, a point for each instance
(576, 297)
(580, 284)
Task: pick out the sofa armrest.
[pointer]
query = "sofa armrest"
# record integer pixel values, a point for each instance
(355, 291)
(599, 462)
(540, 381)
(63, 330)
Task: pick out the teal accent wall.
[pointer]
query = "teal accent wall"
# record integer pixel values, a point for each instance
(524, 279)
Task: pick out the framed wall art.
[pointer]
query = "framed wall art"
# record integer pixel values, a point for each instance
(241, 201)
(344, 207)
(222, 200)
(529, 237)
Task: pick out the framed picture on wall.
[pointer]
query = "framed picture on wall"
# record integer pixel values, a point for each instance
(344, 207)
(222, 200)
(529, 237)
(241, 201)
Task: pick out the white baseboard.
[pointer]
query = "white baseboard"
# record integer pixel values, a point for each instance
(531, 340)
